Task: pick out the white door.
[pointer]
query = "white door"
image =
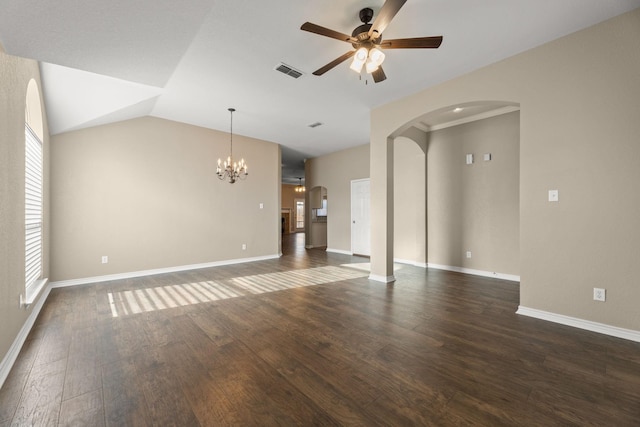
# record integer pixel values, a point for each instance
(360, 222)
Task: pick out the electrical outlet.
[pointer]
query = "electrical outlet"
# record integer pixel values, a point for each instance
(105, 259)
(244, 246)
(599, 294)
(468, 254)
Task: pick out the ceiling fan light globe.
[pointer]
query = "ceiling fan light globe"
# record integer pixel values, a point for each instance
(371, 66)
(376, 56)
(356, 65)
(359, 59)
(361, 54)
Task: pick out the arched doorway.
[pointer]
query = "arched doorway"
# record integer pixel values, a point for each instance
(466, 205)
(318, 214)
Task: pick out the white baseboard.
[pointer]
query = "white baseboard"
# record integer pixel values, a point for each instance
(12, 355)
(383, 279)
(601, 328)
(339, 251)
(120, 276)
(410, 262)
(495, 275)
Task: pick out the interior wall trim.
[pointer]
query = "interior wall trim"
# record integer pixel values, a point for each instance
(476, 117)
(383, 279)
(410, 262)
(130, 275)
(339, 251)
(12, 355)
(503, 276)
(601, 328)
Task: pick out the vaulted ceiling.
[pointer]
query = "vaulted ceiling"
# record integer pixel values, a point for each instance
(189, 60)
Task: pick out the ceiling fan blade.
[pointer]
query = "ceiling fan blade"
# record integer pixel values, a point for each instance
(386, 14)
(413, 43)
(320, 71)
(317, 29)
(379, 75)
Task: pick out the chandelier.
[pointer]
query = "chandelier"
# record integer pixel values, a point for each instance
(300, 188)
(230, 170)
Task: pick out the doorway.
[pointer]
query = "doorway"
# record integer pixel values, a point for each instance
(286, 221)
(360, 217)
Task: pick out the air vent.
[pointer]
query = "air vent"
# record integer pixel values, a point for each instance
(288, 70)
(315, 125)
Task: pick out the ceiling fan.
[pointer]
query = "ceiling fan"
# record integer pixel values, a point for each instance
(368, 43)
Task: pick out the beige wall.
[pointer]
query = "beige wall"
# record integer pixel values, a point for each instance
(470, 207)
(144, 193)
(580, 100)
(15, 74)
(410, 219)
(475, 207)
(335, 172)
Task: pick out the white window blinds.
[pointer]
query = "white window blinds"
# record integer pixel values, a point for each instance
(33, 206)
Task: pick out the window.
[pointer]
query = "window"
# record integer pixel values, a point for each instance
(33, 206)
(323, 211)
(299, 214)
(33, 194)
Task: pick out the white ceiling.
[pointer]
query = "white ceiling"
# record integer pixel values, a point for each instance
(188, 61)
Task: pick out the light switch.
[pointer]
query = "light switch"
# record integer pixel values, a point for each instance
(261, 205)
(553, 195)
(469, 159)
(487, 157)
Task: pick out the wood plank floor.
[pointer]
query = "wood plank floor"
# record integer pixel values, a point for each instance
(308, 340)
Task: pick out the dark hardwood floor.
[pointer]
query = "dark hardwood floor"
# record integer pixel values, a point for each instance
(308, 340)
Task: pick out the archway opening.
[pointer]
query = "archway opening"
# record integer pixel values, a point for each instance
(319, 212)
(453, 213)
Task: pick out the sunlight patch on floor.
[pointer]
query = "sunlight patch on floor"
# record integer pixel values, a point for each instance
(125, 303)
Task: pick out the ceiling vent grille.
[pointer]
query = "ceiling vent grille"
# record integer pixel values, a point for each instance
(288, 70)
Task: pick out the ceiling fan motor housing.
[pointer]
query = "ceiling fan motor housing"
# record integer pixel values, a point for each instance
(361, 33)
